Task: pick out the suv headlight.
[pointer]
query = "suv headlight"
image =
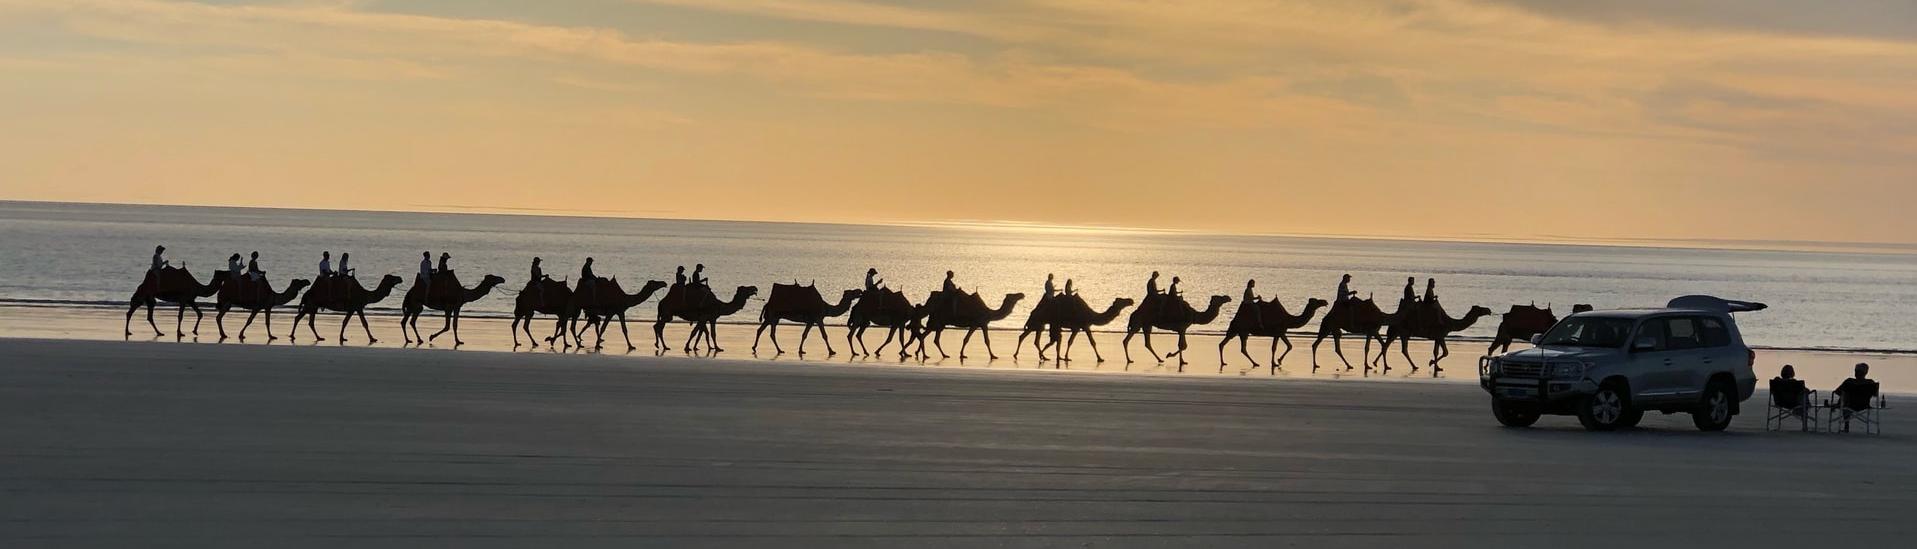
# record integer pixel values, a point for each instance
(1568, 370)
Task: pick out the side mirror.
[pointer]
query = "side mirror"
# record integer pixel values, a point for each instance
(1537, 340)
(1645, 343)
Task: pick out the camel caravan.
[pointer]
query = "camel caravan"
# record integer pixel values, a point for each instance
(591, 304)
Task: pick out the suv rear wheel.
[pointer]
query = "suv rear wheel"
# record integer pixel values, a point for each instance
(1607, 409)
(1513, 415)
(1713, 413)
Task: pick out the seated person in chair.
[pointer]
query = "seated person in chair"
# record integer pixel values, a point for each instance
(1855, 394)
(1790, 395)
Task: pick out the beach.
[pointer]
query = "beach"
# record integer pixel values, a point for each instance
(163, 444)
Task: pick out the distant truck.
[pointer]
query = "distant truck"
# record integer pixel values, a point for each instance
(1609, 367)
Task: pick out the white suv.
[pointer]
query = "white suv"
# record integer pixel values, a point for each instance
(1609, 367)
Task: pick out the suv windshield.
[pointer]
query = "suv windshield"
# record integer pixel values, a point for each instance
(1589, 332)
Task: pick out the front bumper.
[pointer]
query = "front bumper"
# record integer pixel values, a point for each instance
(1529, 389)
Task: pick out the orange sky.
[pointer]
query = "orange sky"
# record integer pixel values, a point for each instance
(1753, 119)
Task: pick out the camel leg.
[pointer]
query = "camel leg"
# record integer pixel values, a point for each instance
(803, 334)
(966, 342)
(403, 315)
(759, 332)
(712, 336)
(937, 341)
(1089, 338)
(985, 333)
(1020, 344)
(774, 323)
(1442, 350)
(365, 327)
(132, 307)
(311, 319)
(349, 318)
(219, 321)
(514, 328)
(691, 335)
(829, 351)
(445, 325)
(1243, 341)
(197, 317)
(659, 334)
(889, 332)
(243, 327)
(1127, 344)
(623, 332)
(1337, 346)
(269, 327)
(1148, 346)
(1181, 350)
(1404, 349)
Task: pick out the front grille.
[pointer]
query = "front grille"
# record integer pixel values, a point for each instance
(1526, 370)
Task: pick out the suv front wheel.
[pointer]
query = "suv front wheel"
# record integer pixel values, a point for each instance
(1713, 413)
(1607, 409)
(1513, 414)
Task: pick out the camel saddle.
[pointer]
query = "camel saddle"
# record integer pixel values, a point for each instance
(445, 287)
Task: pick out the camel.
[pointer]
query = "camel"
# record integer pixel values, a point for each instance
(605, 302)
(962, 311)
(1431, 323)
(1067, 312)
(254, 297)
(343, 294)
(1356, 317)
(447, 296)
(1166, 312)
(545, 296)
(795, 303)
(887, 308)
(1277, 324)
(176, 286)
(1523, 322)
(697, 305)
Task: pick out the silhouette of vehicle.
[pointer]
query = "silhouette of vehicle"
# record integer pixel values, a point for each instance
(1609, 367)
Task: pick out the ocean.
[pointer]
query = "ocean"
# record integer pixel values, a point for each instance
(55, 255)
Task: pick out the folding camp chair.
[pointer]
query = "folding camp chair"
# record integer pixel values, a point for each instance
(1865, 406)
(1791, 400)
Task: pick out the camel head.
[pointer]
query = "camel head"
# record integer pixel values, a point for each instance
(653, 286)
(852, 294)
(1315, 303)
(744, 293)
(390, 281)
(1478, 311)
(1123, 302)
(1218, 301)
(298, 283)
(492, 280)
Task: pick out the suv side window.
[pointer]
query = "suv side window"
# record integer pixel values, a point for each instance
(1681, 333)
(1655, 329)
(1715, 334)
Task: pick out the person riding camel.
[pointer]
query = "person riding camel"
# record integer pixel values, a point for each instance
(950, 290)
(538, 277)
(679, 276)
(234, 268)
(1049, 289)
(1430, 291)
(698, 275)
(326, 265)
(345, 265)
(425, 277)
(1345, 295)
(1151, 286)
(1068, 288)
(253, 270)
(1410, 292)
(159, 260)
(443, 258)
(872, 281)
(1251, 304)
(1172, 291)
(586, 280)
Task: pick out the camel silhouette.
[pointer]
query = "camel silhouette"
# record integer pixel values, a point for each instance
(966, 311)
(1431, 323)
(802, 304)
(1277, 324)
(882, 307)
(1168, 312)
(540, 296)
(605, 302)
(253, 297)
(697, 305)
(447, 296)
(1067, 312)
(1356, 317)
(172, 285)
(342, 294)
(1523, 322)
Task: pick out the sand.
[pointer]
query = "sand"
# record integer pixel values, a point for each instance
(113, 444)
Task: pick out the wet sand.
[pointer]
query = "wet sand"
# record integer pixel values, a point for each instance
(113, 444)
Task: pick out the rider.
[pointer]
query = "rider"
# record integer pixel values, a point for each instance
(1410, 291)
(443, 258)
(1068, 288)
(234, 268)
(425, 278)
(345, 267)
(586, 280)
(1173, 290)
(698, 275)
(1430, 291)
(1151, 286)
(159, 260)
(326, 265)
(1049, 289)
(679, 276)
(950, 291)
(253, 270)
(872, 281)
(1251, 303)
(1344, 291)
(538, 274)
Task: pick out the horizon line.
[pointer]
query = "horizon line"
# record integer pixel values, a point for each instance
(1827, 246)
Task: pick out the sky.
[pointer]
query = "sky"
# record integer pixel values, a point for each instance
(1545, 119)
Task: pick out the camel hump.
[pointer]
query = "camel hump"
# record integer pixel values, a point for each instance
(784, 292)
